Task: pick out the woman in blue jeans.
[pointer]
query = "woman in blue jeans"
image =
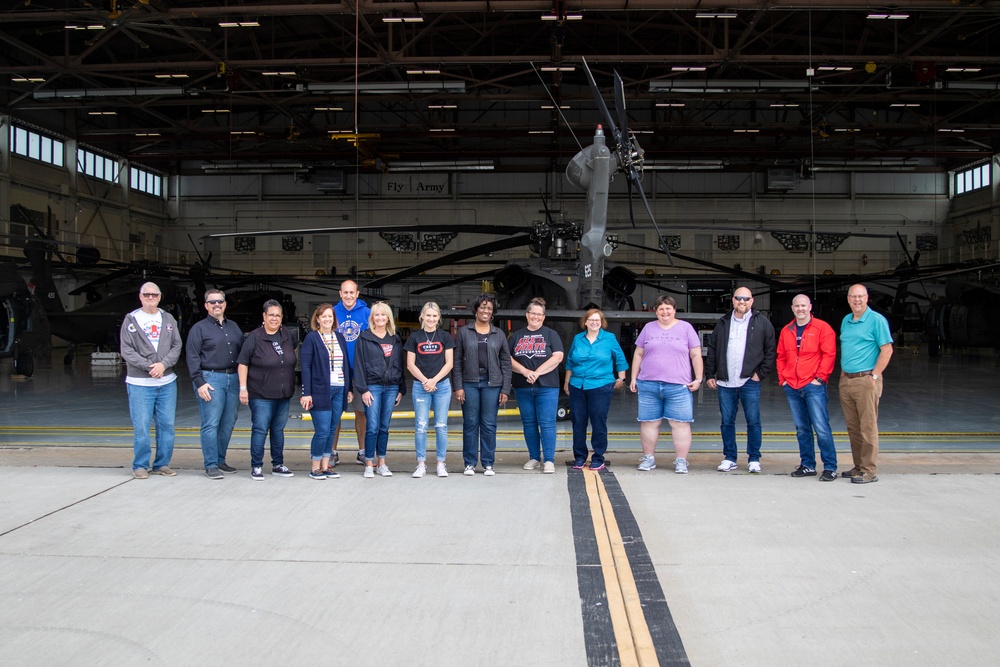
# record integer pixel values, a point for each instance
(379, 379)
(595, 367)
(481, 382)
(266, 368)
(535, 354)
(326, 382)
(430, 356)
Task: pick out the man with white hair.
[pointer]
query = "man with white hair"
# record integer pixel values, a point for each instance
(151, 346)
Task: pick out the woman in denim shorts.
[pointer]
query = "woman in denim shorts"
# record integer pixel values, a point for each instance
(666, 371)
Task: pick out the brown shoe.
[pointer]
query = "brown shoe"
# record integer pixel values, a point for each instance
(853, 472)
(864, 478)
(140, 473)
(165, 471)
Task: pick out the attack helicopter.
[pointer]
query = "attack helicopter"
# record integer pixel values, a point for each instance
(24, 329)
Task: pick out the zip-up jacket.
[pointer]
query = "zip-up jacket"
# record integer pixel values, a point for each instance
(758, 356)
(138, 352)
(314, 358)
(371, 366)
(466, 368)
(812, 358)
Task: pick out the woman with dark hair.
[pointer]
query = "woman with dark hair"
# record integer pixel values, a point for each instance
(535, 353)
(481, 383)
(326, 384)
(595, 367)
(666, 352)
(379, 378)
(430, 356)
(266, 368)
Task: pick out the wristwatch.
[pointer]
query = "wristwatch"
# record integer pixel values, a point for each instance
(874, 376)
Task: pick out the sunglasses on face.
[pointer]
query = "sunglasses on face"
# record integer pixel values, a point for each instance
(215, 302)
(150, 295)
(742, 298)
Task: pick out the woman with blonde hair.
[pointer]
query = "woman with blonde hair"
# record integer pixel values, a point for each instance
(379, 379)
(430, 355)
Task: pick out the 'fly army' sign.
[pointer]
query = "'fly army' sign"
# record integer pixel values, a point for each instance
(410, 185)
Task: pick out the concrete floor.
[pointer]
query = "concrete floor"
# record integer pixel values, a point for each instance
(98, 568)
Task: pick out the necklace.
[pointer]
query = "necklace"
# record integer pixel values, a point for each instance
(430, 339)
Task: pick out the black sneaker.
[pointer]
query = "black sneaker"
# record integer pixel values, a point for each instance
(282, 471)
(828, 476)
(227, 468)
(360, 460)
(803, 471)
(335, 460)
(257, 474)
(331, 473)
(213, 473)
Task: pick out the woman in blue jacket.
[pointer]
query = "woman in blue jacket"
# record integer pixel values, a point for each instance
(326, 385)
(595, 367)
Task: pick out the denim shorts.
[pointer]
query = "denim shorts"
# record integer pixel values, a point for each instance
(663, 400)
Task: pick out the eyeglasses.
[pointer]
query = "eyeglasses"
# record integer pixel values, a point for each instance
(742, 298)
(593, 321)
(150, 295)
(531, 314)
(215, 302)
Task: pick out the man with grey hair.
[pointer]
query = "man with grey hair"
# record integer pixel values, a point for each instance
(213, 346)
(151, 346)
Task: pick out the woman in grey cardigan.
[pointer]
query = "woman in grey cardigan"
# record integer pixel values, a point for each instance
(481, 383)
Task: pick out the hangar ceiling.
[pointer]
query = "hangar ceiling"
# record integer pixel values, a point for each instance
(377, 85)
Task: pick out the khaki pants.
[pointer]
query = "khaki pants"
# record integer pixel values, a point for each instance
(859, 399)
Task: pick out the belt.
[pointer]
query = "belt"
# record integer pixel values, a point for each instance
(857, 375)
(227, 371)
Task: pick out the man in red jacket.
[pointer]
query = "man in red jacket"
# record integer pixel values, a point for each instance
(807, 349)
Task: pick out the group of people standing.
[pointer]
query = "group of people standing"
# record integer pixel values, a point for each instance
(354, 358)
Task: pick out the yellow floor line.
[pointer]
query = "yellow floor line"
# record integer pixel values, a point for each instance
(635, 644)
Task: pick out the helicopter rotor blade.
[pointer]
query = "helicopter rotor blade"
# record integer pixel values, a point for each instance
(455, 281)
(601, 106)
(492, 246)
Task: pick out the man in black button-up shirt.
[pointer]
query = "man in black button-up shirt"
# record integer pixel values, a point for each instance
(213, 346)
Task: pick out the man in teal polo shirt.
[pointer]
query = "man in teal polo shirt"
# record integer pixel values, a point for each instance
(865, 349)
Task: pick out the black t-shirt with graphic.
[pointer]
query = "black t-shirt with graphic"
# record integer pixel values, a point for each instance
(531, 349)
(428, 350)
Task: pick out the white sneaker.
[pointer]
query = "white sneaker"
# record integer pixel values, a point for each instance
(753, 466)
(549, 468)
(532, 464)
(489, 471)
(727, 466)
(420, 471)
(470, 471)
(681, 466)
(648, 462)
(384, 470)
(442, 469)
(369, 472)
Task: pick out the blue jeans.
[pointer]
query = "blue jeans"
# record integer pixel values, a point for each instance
(479, 423)
(538, 406)
(147, 405)
(268, 415)
(377, 418)
(218, 416)
(422, 401)
(729, 401)
(590, 405)
(325, 423)
(809, 412)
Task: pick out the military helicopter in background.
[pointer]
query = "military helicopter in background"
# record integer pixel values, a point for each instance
(24, 329)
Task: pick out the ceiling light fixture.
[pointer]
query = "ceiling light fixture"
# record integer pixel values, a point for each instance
(423, 71)
(95, 26)
(387, 87)
(239, 24)
(883, 16)
(723, 85)
(950, 129)
(398, 18)
(541, 131)
(551, 106)
(558, 68)
(328, 108)
(687, 68)
(442, 129)
(442, 106)
(563, 17)
(170, 76)
(147, 134)
(904, 104)
(741, 131)
(964, 69)
(784, 105)
(442, 165)
(28, 79)
(107, 92)
(215, 110)
(715, 15)
(284, 73)
(834, 68)
(102, 113)
(670, 104)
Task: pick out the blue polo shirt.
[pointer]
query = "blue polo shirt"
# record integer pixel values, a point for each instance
(861, 341)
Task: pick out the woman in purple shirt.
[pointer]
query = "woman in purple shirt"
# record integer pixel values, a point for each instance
(666, 371)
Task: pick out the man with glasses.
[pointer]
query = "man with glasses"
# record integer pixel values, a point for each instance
(865, 350)
(213, 345)
(150, 346)
(740, 354)
(352, 318)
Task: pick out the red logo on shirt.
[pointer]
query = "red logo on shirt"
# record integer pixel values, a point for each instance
(387, 349)
(430, 347)
(530, 346)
